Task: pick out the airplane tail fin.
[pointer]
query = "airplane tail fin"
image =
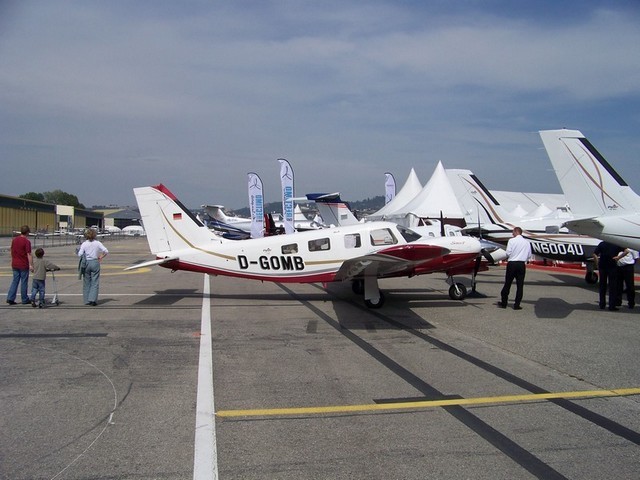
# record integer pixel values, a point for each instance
(333, 209)
(476, 200)
(216, 212)
(590, 184)
(169, 225)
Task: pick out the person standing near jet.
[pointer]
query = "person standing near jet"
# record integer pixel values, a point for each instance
(626, 261)
(604, 257)
(518, 252)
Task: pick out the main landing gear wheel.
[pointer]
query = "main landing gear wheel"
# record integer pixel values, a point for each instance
(591, 278)
(375, 303)
(457, 291)
(357, 286)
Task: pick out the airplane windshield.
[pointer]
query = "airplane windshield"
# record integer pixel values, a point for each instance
(408, 234)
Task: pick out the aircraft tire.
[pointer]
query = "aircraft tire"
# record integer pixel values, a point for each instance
(458, 293)
(591, 278)
(375, 304)
(357, 286)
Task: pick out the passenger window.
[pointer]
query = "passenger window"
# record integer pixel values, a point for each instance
(352, 240)
(382, 236)
(289, 249)
(318, 245)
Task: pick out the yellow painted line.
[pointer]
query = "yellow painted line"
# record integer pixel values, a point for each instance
(72, 272)
(532, 397)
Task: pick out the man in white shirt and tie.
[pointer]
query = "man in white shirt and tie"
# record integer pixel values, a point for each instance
(518, 252)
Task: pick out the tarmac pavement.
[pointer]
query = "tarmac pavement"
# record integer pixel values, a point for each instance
(309, 383)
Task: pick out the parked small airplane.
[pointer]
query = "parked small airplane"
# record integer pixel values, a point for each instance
(233, 226)
(548, 238)
(332, 207)
(360, 253)
(217, 212)
(603, 204)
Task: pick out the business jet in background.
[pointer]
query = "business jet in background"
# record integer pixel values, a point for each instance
(602, 203)
(486, 218)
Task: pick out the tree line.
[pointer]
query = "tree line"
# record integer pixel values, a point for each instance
(57, 197)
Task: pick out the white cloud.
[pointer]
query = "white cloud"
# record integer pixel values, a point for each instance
(218, 90)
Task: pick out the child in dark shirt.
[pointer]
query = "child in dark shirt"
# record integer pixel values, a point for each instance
(40, 268)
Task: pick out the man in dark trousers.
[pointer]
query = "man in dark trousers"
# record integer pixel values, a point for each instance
(603, 256)
(518, 252)
(626, 261)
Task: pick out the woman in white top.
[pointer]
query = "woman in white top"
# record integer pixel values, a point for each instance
(94, 251)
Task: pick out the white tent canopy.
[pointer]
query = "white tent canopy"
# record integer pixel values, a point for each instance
(436, 198)
(541, 211)
(519, 211)
(409, 190)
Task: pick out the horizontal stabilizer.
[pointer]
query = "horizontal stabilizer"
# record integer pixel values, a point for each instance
(151, 263)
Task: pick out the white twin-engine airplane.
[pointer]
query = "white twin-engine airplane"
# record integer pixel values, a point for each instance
(603, 204)
(361, 253)
(546, 235)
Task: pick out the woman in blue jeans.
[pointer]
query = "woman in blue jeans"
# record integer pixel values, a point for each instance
(93, 251)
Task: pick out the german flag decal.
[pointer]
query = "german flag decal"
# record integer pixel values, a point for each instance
(177, 216)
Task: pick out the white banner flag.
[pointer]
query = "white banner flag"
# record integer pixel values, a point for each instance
(286, 180)
(389, 187)
(256, 205)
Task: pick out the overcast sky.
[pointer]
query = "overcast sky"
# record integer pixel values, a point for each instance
(98, 97)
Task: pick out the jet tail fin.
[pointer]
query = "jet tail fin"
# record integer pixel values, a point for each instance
(590, 184)
(477, 202)
(216, 212)
(169, 225)
(333, 209)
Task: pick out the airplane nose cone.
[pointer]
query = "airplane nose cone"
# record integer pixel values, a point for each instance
(492, 251)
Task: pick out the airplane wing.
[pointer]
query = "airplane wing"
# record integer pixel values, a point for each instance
(392, 260)
(580, 224)
(151, 263)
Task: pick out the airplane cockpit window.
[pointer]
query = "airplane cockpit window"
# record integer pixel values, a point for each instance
(319, 245)
(382, 236)
(352, 240)
(408, 234)
(289, 249)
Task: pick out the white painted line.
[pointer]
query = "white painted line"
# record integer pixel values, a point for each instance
(112, 294)
(205, 457)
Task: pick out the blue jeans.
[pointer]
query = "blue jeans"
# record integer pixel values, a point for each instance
(19, 277)
(37, 287)
(91, 282)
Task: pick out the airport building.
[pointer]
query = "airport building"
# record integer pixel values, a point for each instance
(43, 217)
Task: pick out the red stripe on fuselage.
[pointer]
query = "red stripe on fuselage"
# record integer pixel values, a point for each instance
(413, 253)
(312, 278)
